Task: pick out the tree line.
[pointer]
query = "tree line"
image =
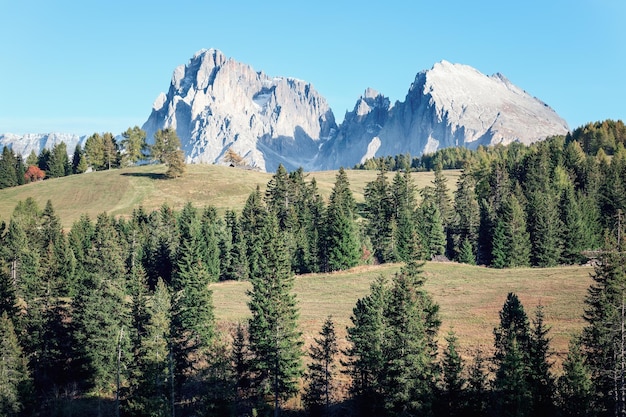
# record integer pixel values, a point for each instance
(116, 317)
(100, 152)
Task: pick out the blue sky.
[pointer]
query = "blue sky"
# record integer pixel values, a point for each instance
(92, 66)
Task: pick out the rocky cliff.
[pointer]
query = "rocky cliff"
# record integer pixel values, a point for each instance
(215, 103)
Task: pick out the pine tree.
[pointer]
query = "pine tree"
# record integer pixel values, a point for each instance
(134, 145)
(193, 320)
(153, 379)
(404, 197)
(442, 196)
(453, 379)
(94, 152)
(541, 381)
(477, 387)
(79, 161)
(320, 375)
(574, 233)
(466, 213)
(433, 233)
(603, 337)
(575, 388)
(379, 212)
(409, 346)
(59, 163)
(512, 396)
(275, 340)
(15, 384)
(111, 151)
(341, 238)
(8, 297)
(100, 320)
(240, 359)
(365, 356)
(466, 253)
(166, 149)
(8, 174)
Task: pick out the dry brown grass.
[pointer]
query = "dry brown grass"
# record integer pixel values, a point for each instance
(470, 299)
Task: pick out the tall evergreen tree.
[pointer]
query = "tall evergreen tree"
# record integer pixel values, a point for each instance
(453, 379)
(404, 198)
(511, 390)
(275, 341)
(193, 320)
(151, 386)
(341, 238)
(409, 345)
(320, 375)
(442, 196)
(14, 376)
(365, 355)
(111, 151)
(8, 174)
(79, 161)
(379, 212)
(541, 380)
(134, 145)
(466, 218)
(575, 388)
(59, 163)
(94, 152)
(166, 149)
(603, 337)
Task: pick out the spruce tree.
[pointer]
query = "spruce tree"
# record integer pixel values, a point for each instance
(575, 388)
(442, 196)
(477, 386)
(575, 238)
(15, 384)
(153, 379)
(404, 197)
(365, 355)
(8, 174)
(341, 238)
(452, 376)
(541, 380)
(466, 213)
(320, 374)
(58, 164)
(275, 341)
(409, 347)
(603, 337)
(379, 212)
(193, 320)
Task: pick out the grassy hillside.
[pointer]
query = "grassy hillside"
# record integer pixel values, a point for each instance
(118, 192)
(470, 299)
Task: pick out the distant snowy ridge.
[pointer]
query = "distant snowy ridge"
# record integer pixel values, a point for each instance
(25, 144)
(216, 103)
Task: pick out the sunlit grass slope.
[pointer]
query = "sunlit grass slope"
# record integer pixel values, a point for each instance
(118, 192)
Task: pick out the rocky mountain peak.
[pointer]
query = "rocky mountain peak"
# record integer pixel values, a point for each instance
(216, 103)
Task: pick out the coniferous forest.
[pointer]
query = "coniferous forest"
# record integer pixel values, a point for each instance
(115, 315)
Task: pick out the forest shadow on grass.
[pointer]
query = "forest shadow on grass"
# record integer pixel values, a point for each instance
(151, 175)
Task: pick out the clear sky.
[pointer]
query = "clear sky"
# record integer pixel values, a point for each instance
(94, 66)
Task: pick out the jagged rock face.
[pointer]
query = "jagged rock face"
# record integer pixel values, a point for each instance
(215, 103)
(449, 105)
(25, 144)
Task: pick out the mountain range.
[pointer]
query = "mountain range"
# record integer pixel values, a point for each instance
(216, 103)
